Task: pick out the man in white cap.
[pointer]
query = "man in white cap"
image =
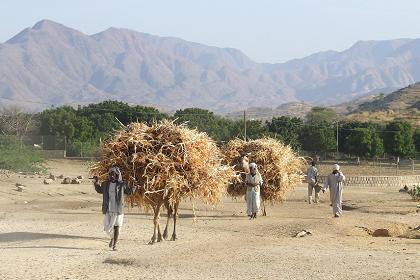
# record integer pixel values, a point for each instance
(253, 182)
(334, 182)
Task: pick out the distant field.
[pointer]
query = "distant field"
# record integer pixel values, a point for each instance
(371, 170)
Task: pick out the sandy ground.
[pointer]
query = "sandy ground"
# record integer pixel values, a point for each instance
(55, 232)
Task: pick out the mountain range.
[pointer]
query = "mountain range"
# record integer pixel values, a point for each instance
(51, 64)
(403, 104)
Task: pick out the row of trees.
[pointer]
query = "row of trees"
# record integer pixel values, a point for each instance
(317, 133)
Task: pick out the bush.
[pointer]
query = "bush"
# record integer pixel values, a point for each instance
(17, 157)
(415, 193)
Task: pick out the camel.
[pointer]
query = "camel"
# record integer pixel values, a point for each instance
(156, 201)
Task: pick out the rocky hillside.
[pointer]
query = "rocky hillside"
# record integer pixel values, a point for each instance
(51, 64)
(403, 104)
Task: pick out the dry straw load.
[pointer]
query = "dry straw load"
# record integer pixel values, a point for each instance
(281, 168)
(167, 162)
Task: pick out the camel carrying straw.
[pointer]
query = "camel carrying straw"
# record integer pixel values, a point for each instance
(168, 163)
(280, 167)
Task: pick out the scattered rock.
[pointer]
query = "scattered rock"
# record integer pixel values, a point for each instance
(303, 233)
(66, 180)
(412, 233)
(367, 230)
(76, 181)
(52, 177)
(381, 232)
(405, 189)
(20, 187)
(60, 176)
(80, 177)
(48, 181)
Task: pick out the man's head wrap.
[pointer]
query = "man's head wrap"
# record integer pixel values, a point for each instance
(117, 171)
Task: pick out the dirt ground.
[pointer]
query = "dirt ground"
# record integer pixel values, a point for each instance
(55, 232)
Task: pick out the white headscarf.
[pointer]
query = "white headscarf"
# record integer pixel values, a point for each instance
(117, 171)
(253, 165)
(336, 167)
(258, 177)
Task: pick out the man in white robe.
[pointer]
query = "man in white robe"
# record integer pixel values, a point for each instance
(253, 182)
(334, 182)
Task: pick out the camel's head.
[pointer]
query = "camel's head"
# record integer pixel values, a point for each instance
(244, 162)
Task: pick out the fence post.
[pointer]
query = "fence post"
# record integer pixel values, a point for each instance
(412, 165)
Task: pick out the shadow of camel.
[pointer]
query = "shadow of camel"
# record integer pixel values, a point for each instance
(47, 247)
(28, 236)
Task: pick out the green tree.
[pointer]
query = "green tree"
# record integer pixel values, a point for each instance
(218, 128)
(398, 139)
(364, 142)
(347, 129)
(321, 114)
(416, 139)
(103, 124)
(122, 112)
(318, 136)
(59, 122)
(83, 129)
(287, 129)
(255, 129)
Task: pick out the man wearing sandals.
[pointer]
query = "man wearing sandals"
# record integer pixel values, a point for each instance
(113, 191)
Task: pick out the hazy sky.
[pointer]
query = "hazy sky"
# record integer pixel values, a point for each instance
(265, 30)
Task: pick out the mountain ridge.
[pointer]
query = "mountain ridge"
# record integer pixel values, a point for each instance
(55, 64)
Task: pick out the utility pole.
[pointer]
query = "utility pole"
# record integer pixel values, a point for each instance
(337, 141)
(245, 126)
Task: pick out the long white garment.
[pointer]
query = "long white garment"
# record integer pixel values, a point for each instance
(112, 218)
(335, 183)
(253, 194)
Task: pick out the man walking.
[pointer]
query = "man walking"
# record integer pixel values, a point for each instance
(113, 191)
(312, 179)
(335, 182)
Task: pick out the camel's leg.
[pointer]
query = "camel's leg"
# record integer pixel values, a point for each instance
(176, 204)
(169, 209)
(264, 212)
(160, 238)
(156, 210)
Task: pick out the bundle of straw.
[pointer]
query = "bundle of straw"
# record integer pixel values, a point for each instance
(280, 167)
(167, 162)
